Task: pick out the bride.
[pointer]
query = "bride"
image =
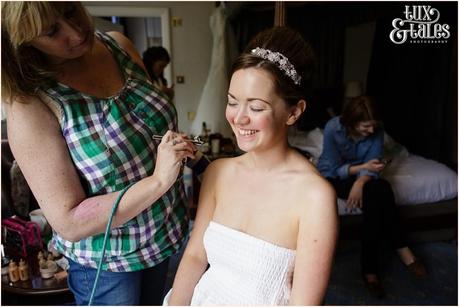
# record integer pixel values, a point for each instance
(266, 225)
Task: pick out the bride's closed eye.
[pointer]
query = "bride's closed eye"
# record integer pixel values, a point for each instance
(232, 102)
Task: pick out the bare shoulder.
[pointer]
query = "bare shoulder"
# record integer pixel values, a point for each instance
(127, 45)
(319, 189)
(218, 167)
(219, 172)
(315, 191)
(316, 208)
(22, 101)
(121, 39)
(28, 110)
(26, 118)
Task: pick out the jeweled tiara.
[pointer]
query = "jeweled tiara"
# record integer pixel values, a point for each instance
(280, 60)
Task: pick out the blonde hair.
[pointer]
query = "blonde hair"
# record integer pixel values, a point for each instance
(25, 69)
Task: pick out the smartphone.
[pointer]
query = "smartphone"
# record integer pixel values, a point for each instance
(386, 161)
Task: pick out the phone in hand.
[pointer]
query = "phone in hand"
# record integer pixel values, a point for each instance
(386, 161)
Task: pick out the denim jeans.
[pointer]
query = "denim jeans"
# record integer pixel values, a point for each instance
(145, 287)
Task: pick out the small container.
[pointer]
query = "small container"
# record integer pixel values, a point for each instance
(23, 270)
(42, 263)
(48, 270)
(215, 146)
(13, 271)
(52, 250)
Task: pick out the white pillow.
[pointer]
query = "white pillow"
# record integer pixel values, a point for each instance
(417, 180)
(310, 141)
(393, 149)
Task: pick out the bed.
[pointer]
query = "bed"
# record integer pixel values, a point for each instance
(425, 190)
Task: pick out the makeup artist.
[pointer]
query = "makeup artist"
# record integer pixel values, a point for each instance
(81, 113)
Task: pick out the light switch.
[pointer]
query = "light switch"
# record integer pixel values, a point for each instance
(176, 21)
(191, 115)
(180, 79)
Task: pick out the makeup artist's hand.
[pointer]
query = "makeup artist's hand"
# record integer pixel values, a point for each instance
(172, 151)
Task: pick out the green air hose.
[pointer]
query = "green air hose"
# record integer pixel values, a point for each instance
(104, 245)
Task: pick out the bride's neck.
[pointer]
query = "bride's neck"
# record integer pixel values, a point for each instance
(269, 160)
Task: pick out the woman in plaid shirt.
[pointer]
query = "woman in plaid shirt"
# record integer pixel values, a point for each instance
(81, 114)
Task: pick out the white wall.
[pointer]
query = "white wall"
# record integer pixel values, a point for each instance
(357, 52)
(191, 49)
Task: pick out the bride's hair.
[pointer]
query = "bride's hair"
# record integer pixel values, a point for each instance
(274, 50)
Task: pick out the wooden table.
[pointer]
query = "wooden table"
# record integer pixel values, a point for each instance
(36, 291)
(36, 286)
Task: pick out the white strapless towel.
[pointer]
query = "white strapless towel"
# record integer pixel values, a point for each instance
(244, 270)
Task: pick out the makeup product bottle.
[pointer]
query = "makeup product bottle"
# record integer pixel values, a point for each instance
(13, 271)
(23, 270)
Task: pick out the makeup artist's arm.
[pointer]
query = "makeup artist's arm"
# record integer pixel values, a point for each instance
(42, 154)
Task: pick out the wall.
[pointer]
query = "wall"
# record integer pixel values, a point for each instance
(106, 26)
(191, 48)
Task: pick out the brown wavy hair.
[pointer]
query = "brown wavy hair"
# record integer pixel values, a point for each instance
(359, 109)
(25, 69)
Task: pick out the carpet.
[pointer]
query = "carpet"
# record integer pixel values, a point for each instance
(439, 287)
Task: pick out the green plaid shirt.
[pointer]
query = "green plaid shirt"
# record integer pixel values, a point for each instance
(110, 142)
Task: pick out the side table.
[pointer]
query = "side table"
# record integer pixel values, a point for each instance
(36, 291)
(36, 286)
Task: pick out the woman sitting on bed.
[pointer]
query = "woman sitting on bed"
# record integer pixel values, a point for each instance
(266, 220)
(352, 161)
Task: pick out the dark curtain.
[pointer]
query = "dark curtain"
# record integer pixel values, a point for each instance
(416, 87)
(324, 27)
(249, 18)
(321, 24)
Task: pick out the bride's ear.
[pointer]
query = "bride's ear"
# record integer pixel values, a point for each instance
(296, 112)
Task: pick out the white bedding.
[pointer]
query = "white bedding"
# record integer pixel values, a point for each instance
(414, 179)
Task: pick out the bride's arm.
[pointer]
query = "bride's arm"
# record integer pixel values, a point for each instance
(317, 234)
(194, 261)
